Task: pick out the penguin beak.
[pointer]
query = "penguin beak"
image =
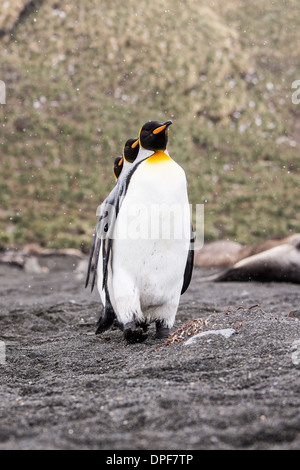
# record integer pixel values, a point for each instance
(163, 127)
(135, 144)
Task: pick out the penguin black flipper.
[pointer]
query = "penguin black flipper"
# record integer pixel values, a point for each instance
(91, 257)
(98, 246)
(98, 235)
(189, 264)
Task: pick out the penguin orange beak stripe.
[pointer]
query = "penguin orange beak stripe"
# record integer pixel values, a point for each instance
(135, 144)
(163, 127)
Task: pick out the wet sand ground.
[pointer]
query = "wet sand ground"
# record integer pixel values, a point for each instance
(62, 387)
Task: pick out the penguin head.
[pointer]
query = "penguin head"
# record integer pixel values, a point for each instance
(131, 150)
(154, 135)
(118, 165)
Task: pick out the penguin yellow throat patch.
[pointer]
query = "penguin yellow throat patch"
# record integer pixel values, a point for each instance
(158, 157)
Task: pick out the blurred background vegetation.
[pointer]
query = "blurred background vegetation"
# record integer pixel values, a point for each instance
(82, 77)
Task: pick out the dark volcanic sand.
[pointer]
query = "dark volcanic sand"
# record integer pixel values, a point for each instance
(62, 387)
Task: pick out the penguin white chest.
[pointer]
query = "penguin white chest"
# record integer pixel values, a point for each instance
(158, 179)
(151, 241)
(156, 204)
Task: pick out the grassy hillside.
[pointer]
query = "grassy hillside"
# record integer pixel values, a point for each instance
(82, 77)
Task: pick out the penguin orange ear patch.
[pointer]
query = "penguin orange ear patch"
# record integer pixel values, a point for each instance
(135, 144)
(120, 162)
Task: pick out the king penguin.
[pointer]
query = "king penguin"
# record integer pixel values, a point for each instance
(130, 152)
(143, 272)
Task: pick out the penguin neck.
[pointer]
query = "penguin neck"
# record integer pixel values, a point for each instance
(159, 156)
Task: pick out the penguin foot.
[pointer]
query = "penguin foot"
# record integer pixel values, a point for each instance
(103, 325)
(105, 322)
(133, 333)
(144, 326)
(162, 331)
